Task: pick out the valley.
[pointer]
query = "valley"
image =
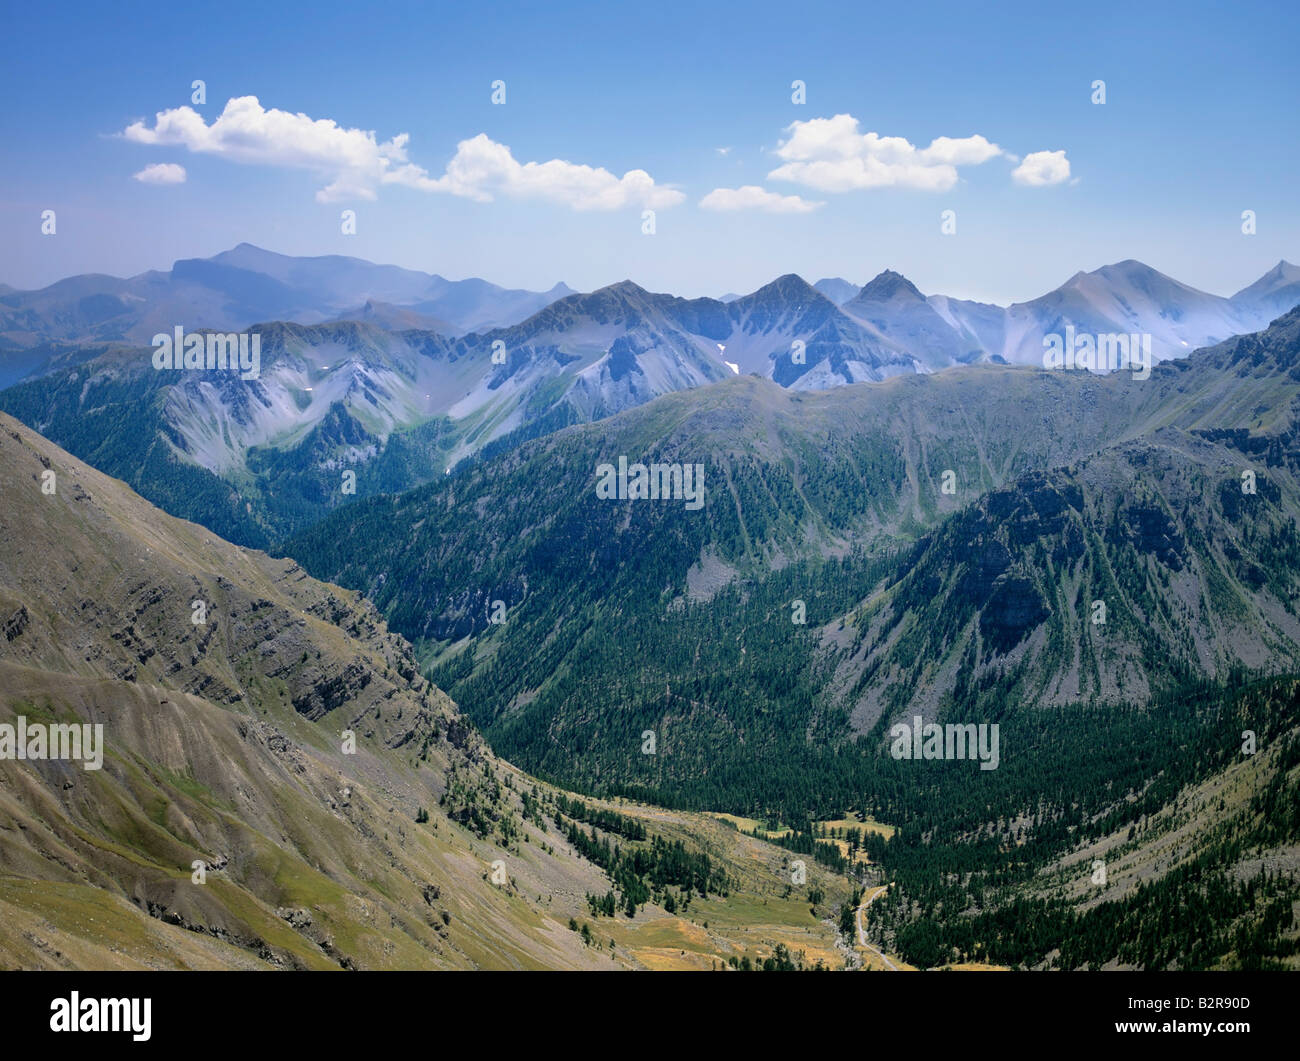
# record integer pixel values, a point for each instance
(227, 749)
(988, 608)
(522, 721)
(698, 491)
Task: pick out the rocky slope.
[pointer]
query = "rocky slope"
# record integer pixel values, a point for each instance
(228, 743)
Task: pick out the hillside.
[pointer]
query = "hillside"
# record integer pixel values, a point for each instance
(226, 742)
(1181, 854)
(1067, 489)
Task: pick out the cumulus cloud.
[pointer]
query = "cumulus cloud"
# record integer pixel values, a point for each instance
(351, 160)
(752, 197)
(356, 164)
(483, 168)
(162, 173)
(1042, 168)
(832, 155)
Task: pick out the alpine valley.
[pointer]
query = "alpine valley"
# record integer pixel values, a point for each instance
(387, 681)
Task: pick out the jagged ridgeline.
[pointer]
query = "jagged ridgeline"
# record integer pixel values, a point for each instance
(967, 545)
(373, 379)
(252, 459)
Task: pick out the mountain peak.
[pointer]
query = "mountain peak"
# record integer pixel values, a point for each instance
(837, 289)
(1127, 267)
(1131, 274)
(888, 285)
(788, 286)
(626, 288)
(1277, 287)
(620, 297)
(246, 252)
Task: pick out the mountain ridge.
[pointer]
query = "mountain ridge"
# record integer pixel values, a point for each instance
(802, 482)
(434, 399)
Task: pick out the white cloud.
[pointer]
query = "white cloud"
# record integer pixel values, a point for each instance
(483, 168)
(1041, 168)
(162, 173)
(832, 155)
(752, 197)
(351, 159)
(723, 150)
(963, 151)
(356, 164)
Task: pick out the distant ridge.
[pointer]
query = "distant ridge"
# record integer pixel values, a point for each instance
(246, 285)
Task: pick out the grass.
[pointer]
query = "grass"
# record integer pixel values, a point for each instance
(867, 825)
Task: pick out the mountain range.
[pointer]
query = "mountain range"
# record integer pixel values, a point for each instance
(948, 535)
(247, 285)
(1103, 566)
(398, 397)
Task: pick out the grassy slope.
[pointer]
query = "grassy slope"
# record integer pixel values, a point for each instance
(223, 745)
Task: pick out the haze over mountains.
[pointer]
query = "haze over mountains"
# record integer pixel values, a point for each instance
(1125, 298)
(247, 285)
(405, 374)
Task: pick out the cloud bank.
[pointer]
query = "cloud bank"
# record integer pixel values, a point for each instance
(834, 155)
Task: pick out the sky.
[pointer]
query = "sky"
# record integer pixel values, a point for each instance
(687, 110)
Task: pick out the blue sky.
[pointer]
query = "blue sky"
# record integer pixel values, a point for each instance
(1200, 123)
